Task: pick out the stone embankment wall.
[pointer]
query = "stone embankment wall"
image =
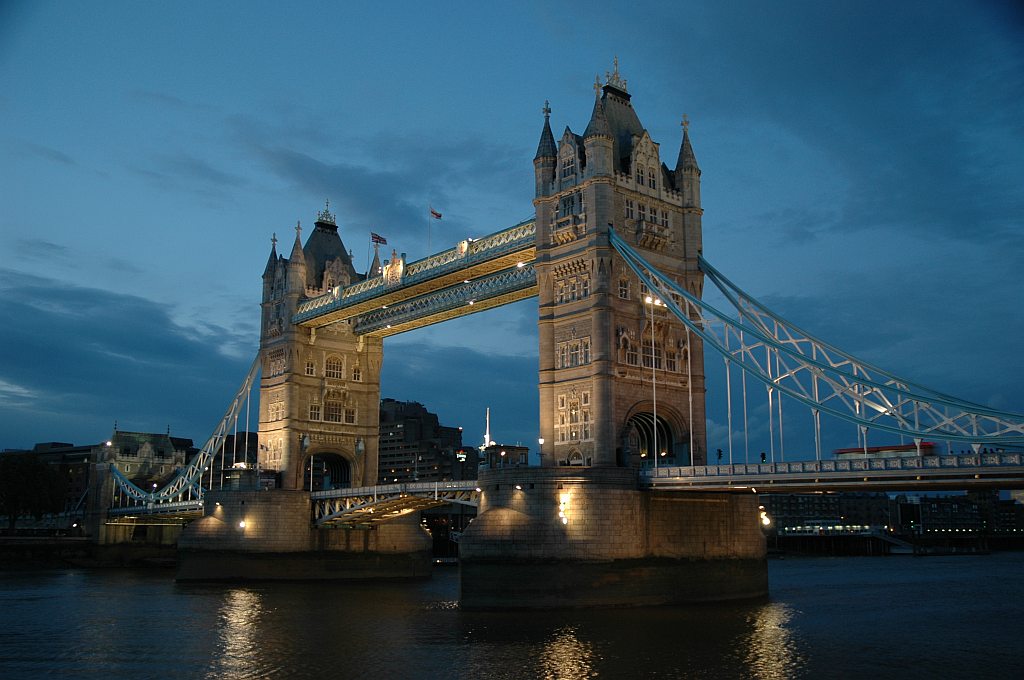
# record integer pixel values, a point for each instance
(266, 535)
(549, 537)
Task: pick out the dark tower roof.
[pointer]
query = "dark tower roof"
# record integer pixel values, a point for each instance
(324, 245)
(546, 148)
(622, 120)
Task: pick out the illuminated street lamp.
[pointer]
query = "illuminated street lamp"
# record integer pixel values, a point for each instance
(652, 301)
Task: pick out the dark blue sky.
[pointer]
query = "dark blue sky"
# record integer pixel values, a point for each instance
(862, 166)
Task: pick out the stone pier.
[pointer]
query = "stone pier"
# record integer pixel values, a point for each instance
(267, 535)
(562, 537)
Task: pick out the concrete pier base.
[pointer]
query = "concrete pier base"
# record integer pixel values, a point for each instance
(562, 537)
(267, 535)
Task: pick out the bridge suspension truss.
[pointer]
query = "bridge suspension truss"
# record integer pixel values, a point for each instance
(183, 494)
(789, 361)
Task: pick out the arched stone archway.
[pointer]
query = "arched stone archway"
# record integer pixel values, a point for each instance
(326, 470)
(638, 442)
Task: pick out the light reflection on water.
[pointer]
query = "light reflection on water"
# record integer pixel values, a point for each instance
(845, 617)
(239, 638)
(772, 652)
(565, 657)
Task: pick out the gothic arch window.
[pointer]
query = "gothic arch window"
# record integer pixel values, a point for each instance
(569, 164)
(631, 355)
(652, 355)
(639, 175)
(650, 179)
(310, 367)
(334, 367)
(333, 408)
(624, 289)
(357, 374)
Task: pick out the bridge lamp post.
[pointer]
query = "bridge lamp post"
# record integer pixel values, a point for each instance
(652, 301)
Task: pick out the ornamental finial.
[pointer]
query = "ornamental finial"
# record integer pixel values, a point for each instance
(614, 79)
(686, 123)
(546, 110)
(325, 214)
(298, 229)
(273, 240)
(597, 86)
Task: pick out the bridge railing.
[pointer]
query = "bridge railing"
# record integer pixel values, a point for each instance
(950, 462)
(518, 237)
(418, 488)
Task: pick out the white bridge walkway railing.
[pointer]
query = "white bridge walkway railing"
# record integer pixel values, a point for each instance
(918, 472)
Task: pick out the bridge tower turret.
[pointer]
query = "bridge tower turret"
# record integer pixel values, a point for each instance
(621, 381)
(320, 388)
(544, 161)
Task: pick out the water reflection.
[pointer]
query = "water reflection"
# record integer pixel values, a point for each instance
(771, 648)
(239, 632)
(566, 657)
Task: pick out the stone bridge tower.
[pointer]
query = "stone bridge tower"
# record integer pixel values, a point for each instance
(617, 373)
(320, 389)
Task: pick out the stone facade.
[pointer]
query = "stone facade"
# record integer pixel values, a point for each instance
(267, 535)
(609, 359)
(549, 537)
(320, 389)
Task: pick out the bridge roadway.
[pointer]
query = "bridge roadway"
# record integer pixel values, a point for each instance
(363, 507)
(371, 505)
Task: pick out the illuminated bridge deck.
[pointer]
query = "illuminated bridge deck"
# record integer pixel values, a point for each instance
(985, 470)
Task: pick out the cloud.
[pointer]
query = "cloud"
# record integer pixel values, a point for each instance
(386, 181)
(446, 379)
(49, 153)
(41, 249)
(161, 100)
(186, 172)
(103, 356)
(908, 120)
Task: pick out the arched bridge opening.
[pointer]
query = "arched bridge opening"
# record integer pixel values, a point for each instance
(327, 471)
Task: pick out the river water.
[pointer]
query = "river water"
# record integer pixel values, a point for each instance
(843, 617)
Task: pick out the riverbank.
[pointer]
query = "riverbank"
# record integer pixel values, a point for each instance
(54, 552)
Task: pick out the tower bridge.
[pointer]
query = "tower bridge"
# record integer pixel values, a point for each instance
(623, 494)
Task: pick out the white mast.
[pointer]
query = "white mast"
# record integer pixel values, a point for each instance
(487, 431)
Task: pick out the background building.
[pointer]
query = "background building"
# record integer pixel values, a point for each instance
(414, 446)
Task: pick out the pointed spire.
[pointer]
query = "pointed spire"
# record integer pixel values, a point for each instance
(686, 161)
(598, 125)
(272, 260)
(546, 148)
(297, 255)
(375, 268)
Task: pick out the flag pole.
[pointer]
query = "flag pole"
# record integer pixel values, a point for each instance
(368, 242)
(430, 216)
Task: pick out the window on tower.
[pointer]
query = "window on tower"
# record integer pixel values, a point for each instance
(568, 165)
(650, 179)
(332, 411)
(624, 289)
(639, 175)
(629, 209)
(334, 368)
